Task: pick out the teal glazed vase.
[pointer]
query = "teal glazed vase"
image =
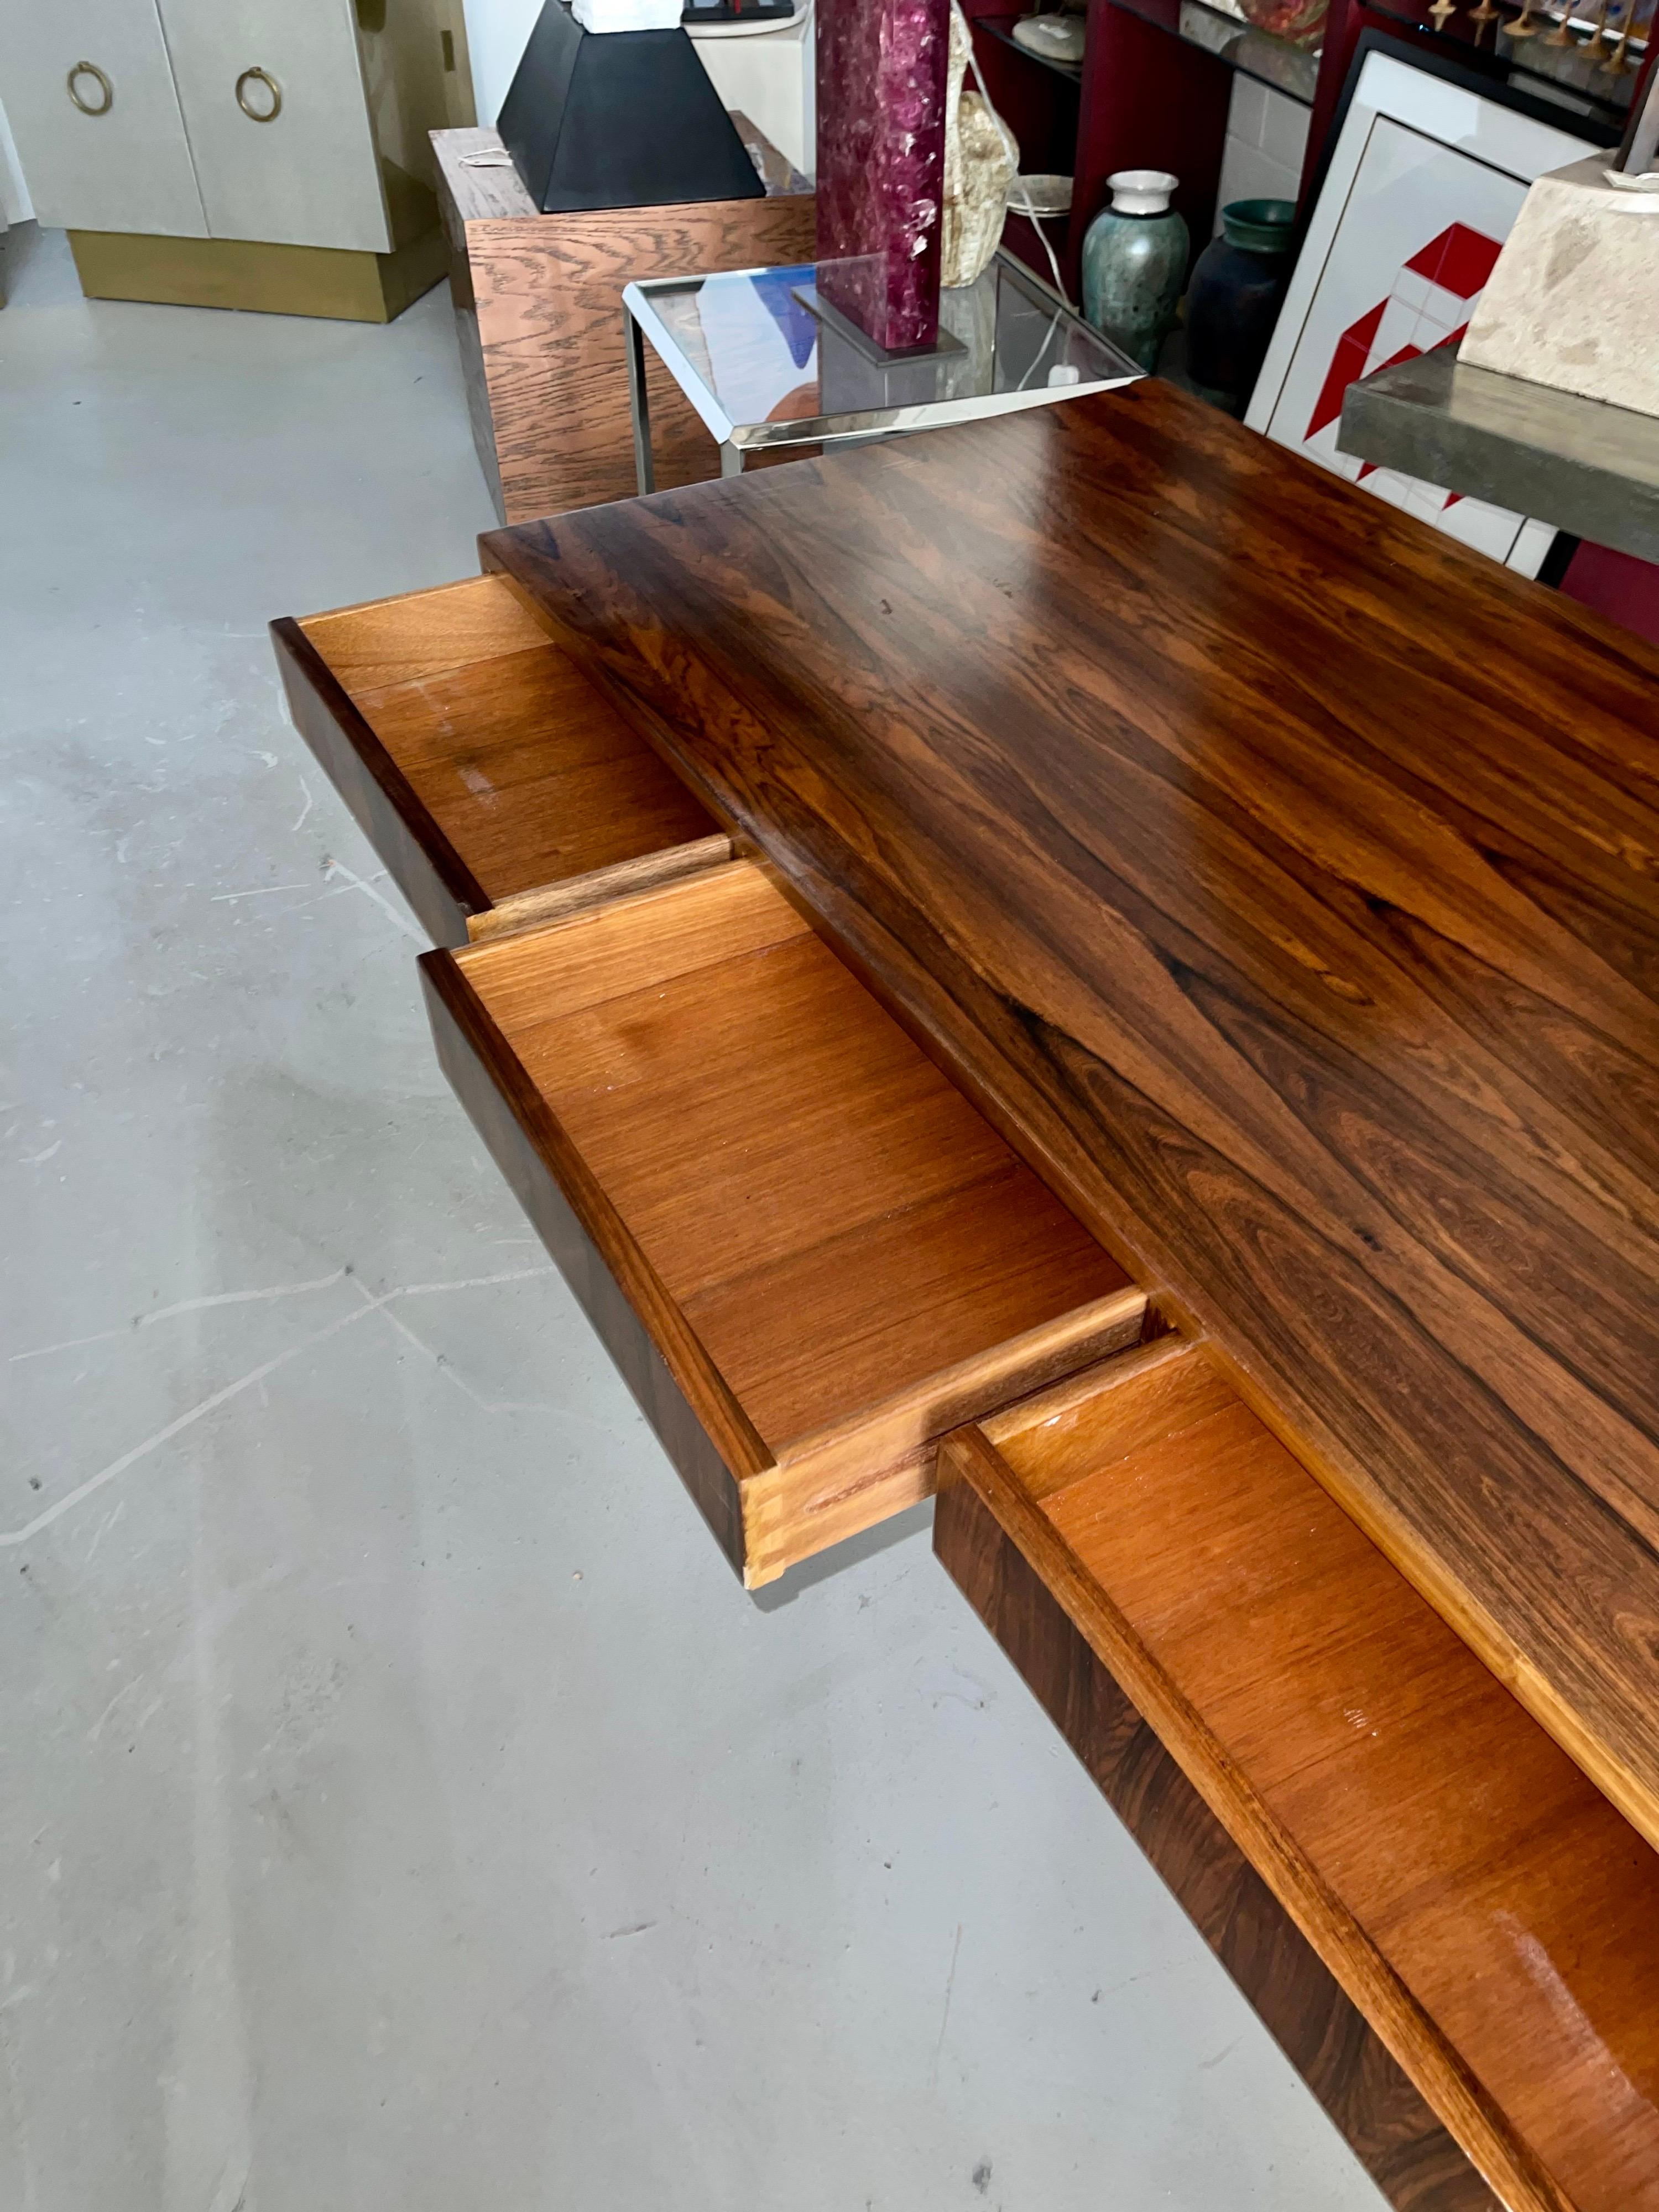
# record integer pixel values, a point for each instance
(1135, 260)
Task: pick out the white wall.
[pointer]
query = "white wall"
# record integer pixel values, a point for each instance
(1266, 138)
(496, 31)
(14, 192)
(765, 74)
(768, 76)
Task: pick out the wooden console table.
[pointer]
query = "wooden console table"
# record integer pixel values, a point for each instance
(538, 308)
(846, 863)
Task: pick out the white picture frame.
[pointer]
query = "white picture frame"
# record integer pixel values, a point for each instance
(1425, 178)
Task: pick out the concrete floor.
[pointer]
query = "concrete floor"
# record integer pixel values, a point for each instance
(403, 1809)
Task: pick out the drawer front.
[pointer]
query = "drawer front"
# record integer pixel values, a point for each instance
(498, 787)
(310, 175)
(1189, 1602)
(127, 170)
(810, 1256)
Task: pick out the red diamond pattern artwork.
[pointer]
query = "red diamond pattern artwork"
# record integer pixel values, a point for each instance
(1459, 261)
(1405, 235)
(1427, 306)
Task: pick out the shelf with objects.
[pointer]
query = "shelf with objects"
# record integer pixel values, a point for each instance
(1275, 41)
(1151, 91)
(1154, 89)
(1040, 99)
(1003, 29)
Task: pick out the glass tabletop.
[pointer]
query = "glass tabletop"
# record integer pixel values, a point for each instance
(766, 361)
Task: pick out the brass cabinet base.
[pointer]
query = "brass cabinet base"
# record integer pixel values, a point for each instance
(261, 278)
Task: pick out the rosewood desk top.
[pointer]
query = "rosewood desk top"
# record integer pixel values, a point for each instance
(1284, 880)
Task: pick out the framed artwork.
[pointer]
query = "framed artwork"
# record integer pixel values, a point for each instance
(1427, 171)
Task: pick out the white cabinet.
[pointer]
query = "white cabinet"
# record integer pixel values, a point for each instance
(103, 146)
(276, 113)
(282, 122)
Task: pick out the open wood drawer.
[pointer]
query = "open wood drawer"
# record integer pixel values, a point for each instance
(1454, 1937)
(808, 1253)
(496, 784)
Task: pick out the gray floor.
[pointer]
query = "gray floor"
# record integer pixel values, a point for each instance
(404, 1810)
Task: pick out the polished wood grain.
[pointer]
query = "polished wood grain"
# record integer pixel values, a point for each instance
(834, 1254)
(381, 643)
(618, 880)
(509, 1116)
(1283, 881)
(426, 867)
(538, 308)
(1477, 1898)
(497, 784)
(1381, 2115)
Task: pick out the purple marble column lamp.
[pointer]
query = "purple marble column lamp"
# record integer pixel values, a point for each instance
(881, 72)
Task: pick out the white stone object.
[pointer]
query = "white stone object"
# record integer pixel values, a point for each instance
(628, 14)
(1573, 303)
(1056, 38)
(980, 160)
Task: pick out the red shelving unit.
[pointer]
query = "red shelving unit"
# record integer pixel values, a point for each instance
(1149, 95)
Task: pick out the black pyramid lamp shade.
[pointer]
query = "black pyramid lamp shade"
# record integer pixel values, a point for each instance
(619, 119)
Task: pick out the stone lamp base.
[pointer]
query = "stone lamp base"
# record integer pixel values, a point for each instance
(1573, 303)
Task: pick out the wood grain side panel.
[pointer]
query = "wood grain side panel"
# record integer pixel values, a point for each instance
(479, 190)
(483, 1080)
(1381, 2115)
(630, 945)
(529, 772)
(419, 635)
(548, 293)
(833, 1485)
(423, 864)
(1156, 1391)
(466, 324)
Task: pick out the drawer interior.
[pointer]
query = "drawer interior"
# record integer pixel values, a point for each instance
(1479, 1901)
(837, 1254)
(518, 776)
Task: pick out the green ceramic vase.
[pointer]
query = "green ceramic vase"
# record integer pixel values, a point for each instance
(1134, 260)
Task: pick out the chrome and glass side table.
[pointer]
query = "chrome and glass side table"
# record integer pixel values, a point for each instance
(769, 363)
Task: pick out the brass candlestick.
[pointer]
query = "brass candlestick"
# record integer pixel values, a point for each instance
(1523, 27)
(1562, 34)
(1615, 64)
(1485, 13)
(1441, 11)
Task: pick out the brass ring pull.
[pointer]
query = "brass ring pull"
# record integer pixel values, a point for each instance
(90, 68)
(264, 77)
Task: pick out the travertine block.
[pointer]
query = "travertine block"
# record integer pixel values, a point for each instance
(1574, 300)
